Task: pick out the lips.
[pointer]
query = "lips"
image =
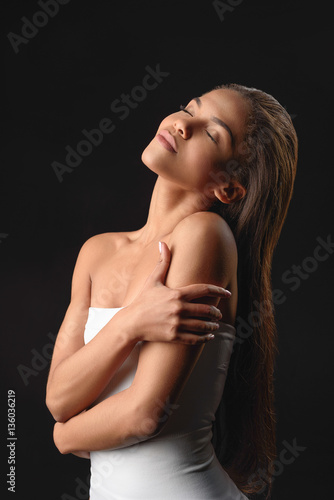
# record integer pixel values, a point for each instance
(167, 140)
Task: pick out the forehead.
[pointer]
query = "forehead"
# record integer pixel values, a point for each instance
(229, 106)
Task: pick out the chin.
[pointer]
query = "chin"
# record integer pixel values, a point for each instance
(145, 154)
(158, 162)
(150, 158)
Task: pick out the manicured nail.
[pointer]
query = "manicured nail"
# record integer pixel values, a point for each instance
(210, 336)
(216, 312)
(212, 325)
(160, 246)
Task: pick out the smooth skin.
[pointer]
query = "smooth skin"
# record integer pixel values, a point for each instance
(169, 311)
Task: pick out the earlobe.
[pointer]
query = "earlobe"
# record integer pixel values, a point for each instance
(231, 193)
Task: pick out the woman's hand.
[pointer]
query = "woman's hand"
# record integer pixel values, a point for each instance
(162, 314)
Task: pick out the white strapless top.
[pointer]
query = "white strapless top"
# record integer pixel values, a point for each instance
(179, 463)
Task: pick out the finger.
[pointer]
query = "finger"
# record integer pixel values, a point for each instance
(191, 292)
(198, 326)
(190, 339)
(197, 310)
(159, 273)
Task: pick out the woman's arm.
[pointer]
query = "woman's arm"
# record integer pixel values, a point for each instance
(79, 372)
(203, 250)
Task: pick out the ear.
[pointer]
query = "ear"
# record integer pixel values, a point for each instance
(230, 192)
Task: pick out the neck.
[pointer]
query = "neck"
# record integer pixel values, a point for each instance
(169, 205)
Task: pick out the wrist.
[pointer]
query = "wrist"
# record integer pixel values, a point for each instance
(126, 325)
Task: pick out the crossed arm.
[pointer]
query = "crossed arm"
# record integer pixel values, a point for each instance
(138, 412)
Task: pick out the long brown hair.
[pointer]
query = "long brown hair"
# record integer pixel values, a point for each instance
(265, 164)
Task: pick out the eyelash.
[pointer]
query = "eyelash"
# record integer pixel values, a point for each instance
(182, 108)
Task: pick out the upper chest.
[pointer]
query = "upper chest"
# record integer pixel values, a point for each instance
(118, 277)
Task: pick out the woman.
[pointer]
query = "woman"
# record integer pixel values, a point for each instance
(139, 365)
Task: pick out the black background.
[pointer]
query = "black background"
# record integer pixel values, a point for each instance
(63, 81)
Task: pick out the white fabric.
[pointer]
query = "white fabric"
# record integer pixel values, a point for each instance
(179, 463)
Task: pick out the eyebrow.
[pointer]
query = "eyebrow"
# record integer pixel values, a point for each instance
(217, 120)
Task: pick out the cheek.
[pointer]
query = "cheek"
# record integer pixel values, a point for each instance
(166, 122)
(201, 166)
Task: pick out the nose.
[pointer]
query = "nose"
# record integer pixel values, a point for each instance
(183, 127)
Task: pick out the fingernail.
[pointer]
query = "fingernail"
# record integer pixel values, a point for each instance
(216, 313)
(160, 246)
(210, 336)
(212, 325)
(227, 292)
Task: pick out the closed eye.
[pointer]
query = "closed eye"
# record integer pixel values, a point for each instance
(182, 108)
(211, 137)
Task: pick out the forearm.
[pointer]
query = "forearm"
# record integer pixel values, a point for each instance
(79, 379)
(113, 423)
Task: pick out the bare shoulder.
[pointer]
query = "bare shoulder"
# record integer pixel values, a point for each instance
(101, 245)
(104, 242)
(95, 250)
(203, 244)
(208, 230)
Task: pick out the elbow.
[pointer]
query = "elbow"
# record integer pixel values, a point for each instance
(50, 404)
(55, 409)
(147, 424)
(145, 428)
(58, 439)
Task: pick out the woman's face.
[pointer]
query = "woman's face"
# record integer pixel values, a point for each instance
(196, 142)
